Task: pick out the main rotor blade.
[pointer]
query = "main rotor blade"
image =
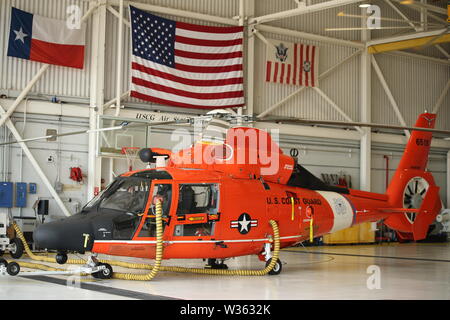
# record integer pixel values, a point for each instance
(348, 124)
(125, 125)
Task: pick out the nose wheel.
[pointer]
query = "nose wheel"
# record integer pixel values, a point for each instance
(61, 258)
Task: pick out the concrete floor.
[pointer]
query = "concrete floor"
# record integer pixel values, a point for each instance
(407, 271)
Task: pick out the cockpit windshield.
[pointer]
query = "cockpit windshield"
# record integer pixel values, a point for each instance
(129, 195)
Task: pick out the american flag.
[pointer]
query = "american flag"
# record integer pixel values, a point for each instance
(185, 65)
(292, 63)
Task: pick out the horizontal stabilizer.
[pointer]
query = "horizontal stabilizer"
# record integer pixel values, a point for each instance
(429, 209)
(398, 210)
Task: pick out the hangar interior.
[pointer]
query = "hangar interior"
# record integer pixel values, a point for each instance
(387, 74)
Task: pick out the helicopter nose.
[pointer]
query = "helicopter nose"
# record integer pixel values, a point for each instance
(65, 235)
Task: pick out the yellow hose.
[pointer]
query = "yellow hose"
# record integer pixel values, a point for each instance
(158, 258)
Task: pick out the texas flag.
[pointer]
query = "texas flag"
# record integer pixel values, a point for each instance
(38, 38)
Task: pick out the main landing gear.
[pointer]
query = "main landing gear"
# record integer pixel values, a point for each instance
(266, 255)
(216, 264)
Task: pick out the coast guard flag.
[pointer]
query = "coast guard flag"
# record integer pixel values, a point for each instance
(292, 63)
(41, 39)
(185, 65)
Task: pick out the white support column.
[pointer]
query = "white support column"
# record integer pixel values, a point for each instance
(423, 17)
(35, 164)
(241, 24)
(365, 158)
(249, 10)
(119, 59)
(97, 96)
(118, 79)
(389, 94)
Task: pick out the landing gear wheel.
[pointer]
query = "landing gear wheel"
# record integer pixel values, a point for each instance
(61, 258)
(16, 248)
(13, 268)
(276, 268)
(104, 274)
(3, 262)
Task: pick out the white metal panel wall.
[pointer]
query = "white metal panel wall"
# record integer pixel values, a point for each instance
(416, 85)
(15, 73)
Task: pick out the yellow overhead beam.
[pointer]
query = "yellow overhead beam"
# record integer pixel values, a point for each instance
(406, 44)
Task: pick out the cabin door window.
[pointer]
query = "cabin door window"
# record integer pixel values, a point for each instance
(198, 209)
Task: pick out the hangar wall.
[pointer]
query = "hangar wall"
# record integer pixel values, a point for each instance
(415, 83)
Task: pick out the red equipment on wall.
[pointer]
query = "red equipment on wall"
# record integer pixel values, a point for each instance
(76, 174)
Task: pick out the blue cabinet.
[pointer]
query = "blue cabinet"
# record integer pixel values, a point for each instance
(21, 194)
(6, 194)
(32, 188)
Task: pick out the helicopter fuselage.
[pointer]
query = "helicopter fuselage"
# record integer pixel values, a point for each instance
(239, 222)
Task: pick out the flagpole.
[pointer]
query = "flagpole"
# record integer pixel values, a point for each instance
(23, 94)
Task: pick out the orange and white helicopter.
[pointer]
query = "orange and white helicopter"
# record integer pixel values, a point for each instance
(219, 195)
